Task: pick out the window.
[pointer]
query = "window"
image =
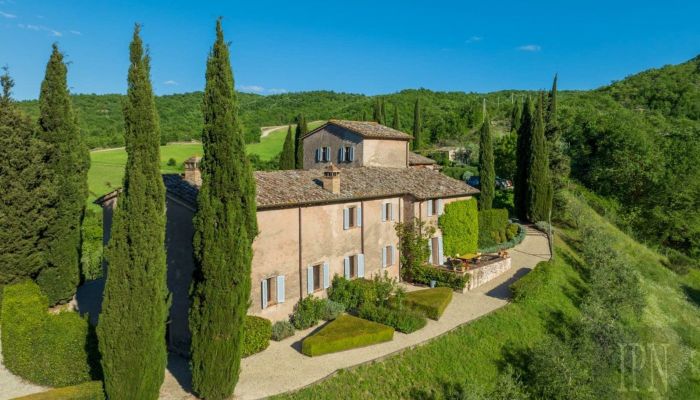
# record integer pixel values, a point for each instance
(272, 291)
(436, 251)
(352, 261)
(317, 276)
(387, 256)
(354, 266)
(387, 212)
(435, 207)
(352, 217)
(323, 154)
(349, 154)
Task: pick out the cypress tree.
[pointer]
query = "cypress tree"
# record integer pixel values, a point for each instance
(487, 175)
(558, 161)
(538, 182)
(377, 111)
(27, 193)
(382, 112)
(131, 329)
(69, 161)
(516, 116)
(552, 127)
(397, 122)
(522, 160)
(302, 129)
(222, 244)
(416, 126)
(287, 157)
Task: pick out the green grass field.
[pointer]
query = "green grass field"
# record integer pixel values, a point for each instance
(107, 166)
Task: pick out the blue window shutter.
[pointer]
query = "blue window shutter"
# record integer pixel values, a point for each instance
(280, 288)
(440, 209)
(326, 275)
(263, 285)
(430, 208)
(346, 266)
(318, 155)
(384, 212)
(359, 215)
(328, 154)
(352, 154)
(346, 218)
(310, 280)
(430, 255)
(383, 257)
(361, 265)
(393, 254)
(341, 154)
(441, 255)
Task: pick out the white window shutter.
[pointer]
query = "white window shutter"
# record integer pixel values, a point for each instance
(326, 275)
(341, 154)
(328, 154)
(310, 280)
(346, 267)
(263, 291)
(391, 211)
(441, 255)
(384, 212)
(361, 265)
(430, 255)
(346, 218)
(359, 215)
(393, 254)
(384, 264)
(430, 208)
(440, 210)
(352, 154)
(280, 288)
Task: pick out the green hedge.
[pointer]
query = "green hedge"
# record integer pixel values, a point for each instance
(344, 333)
(431, 302)
(256, 335)
(352, 293)
(460, 227)
(307, 312)
(403, 320)
(492, 227)
(48, 349)
(425, 274)
(516, 240)
(85, 391)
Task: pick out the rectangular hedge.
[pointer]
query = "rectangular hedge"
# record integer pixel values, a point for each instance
(85, 391)
(460, 227)
(344, 333)
(492, 227)
(431, 302)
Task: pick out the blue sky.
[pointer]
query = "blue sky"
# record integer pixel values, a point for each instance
(360, 46)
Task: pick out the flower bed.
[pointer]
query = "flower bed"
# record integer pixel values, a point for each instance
(344, 333)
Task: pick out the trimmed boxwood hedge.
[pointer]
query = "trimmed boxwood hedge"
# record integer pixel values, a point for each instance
(431, 302)
(85, 391)
(404, 320)
(344, 333)
(460, 227)
(256, 335)
(516, 240)
(492, 226)
(48, 349)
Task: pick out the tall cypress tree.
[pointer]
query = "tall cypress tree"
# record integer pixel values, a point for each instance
(538, 181)
(416, 126)
(522, 160)
(222, 244)
(487, 175)
(302, 129)
(131, 328)
(516, 116)
(27, 193)
(69, 161)
(287, 157)
(558, 161)
(396, 123)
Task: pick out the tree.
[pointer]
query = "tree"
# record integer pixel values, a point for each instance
(539, 183)
(396, 123)
(378, 114)
(131, 329)
(68, 160)
(504, 153)
(27, 193)
(222, 244)
(558, 161)
(487, 175)
(515, 116)
(287, 156)
(416, 126)
(302, 129)
(414, 238)
(522, 161)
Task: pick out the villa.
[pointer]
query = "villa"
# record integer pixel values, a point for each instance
(337, 216)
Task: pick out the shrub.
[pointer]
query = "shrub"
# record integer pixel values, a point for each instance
(516, 240)
(85, 391)
(679, 262)
(91, 254)
(460, 227)
(48, 349)
(353, 293)
(431, 302)
(425, 274)
(172, 162)
(331, 310)
(307, 312)
(512, 231)
(282, 330)
(492, 226)
(403, 320)
(256, 335)
(344, 333)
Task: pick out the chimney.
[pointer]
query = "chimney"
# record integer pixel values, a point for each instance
(192, 173)
(331, 179)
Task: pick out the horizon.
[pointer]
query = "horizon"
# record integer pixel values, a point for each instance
(291, 48)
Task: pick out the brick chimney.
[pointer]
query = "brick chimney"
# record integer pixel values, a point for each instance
(192, 173)
(331, 179)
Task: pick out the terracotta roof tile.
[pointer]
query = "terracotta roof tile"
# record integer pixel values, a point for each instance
(417, 159)
(367, 129)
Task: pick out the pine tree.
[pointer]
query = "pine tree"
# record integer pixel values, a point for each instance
(27, 193)
(222, 244)
(135, 305)
(287, 156)
(487, 175)
(416, 126)
(302, 129)
(397, 121)
(68, 160)
(516, 116)
(538, 182)
(522, 160)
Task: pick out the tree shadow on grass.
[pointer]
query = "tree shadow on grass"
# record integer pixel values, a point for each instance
(692, 294)
(502, 291)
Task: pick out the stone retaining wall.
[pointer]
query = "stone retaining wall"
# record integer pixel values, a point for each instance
(481, 275)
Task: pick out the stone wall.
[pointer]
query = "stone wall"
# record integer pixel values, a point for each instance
(481, 275)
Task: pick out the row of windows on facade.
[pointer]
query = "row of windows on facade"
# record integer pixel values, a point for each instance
(318, 276)
(345, 154)
(352, 216)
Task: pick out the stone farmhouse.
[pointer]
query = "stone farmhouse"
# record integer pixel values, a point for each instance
(337, 216)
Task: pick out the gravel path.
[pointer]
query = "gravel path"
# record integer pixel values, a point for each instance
(12, 386)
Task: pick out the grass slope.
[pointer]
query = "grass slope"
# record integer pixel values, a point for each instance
(475, 354)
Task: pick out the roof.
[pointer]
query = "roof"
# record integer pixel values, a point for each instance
(366, 129)
(417, 159)
(292, 188)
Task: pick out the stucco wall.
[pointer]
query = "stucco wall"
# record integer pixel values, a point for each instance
(385, 153)
(378, 234)
(334, 137)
